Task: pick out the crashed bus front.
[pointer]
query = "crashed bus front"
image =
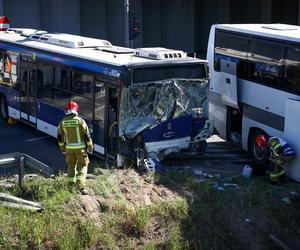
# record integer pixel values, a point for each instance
(164, 112)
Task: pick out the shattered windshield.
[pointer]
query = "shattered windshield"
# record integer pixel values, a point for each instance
(145, 105)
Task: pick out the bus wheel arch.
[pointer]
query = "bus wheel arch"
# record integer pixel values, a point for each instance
(3, 108)
(258, 155)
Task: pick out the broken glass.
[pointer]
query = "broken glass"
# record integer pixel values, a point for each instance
(145, 105)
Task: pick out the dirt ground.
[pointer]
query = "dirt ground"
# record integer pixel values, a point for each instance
(210, 209)
(225, 210)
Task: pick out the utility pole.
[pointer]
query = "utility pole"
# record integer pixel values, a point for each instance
(126, 23)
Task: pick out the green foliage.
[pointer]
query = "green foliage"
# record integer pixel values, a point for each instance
(196, 216)
(54, 227)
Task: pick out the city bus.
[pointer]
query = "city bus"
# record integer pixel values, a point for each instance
(255, 85)
(138, 103)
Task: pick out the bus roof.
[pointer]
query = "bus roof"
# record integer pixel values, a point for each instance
(92, 49)
(276, 30)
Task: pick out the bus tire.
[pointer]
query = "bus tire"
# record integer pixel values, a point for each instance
(259, 156)
(3, 108)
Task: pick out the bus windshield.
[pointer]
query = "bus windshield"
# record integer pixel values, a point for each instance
(144, 105)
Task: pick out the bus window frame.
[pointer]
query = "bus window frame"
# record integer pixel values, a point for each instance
(109, 81)
(250, 37)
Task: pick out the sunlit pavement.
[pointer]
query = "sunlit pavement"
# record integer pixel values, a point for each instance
(220, 155)
(25, 139)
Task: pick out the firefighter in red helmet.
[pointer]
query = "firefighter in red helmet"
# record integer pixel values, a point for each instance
(75, 142)
(280, 154)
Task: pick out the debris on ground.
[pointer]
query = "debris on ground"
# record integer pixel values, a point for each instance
(131, 209)
(219, 184)
(294, 193)
(286, 200)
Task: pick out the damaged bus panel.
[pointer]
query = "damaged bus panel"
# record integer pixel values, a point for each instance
(163, 110)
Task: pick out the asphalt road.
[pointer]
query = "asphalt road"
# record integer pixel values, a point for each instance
(25, 139)
(220, 155)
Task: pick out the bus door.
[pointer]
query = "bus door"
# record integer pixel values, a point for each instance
(112, 121)
(28, 91)
(229, 83)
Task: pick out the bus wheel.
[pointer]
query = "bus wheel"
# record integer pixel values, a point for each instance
(259, 156)
(3, 108)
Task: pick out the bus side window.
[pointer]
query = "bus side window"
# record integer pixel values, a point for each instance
(231, 47)
(265, 62)
(99, 110)
(292, 70)
(45, 81)
(8, 69)
(62, 78)
(82, 84)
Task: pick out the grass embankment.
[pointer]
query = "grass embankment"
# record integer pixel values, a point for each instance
(170, 211)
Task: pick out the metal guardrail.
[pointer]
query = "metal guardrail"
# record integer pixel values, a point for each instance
(22, 161)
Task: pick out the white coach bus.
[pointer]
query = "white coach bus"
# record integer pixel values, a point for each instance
(255, 85)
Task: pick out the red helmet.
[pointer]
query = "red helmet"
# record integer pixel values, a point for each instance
(72, 107)
(261, 141)
(4, 23)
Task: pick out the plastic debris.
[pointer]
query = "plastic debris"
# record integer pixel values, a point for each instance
(286, 200)
(153, 165)
(247, 171)
(294, 193)
(197, 172)
(231, 185)
(219, 187)
(247, 220)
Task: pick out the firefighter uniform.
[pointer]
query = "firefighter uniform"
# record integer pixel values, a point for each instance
(280, 155)
(74, 140)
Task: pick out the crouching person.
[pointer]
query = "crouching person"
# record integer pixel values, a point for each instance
(75, 141)
(281, 154)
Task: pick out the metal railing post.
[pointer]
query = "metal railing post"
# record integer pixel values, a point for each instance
(21, 171)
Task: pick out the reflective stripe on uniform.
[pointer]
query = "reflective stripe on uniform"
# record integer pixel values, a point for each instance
(65, 131)
(277, 146)
(277, 174)
(80, 178)
(80, 145)
(78, 135)
(61, 144)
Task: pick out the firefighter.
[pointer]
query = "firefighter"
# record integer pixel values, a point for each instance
(280, 155)
(75, 142)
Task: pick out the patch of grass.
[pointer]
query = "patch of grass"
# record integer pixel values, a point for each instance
(198, 217)
(127, 226)
(56, 227)
(175, 238)
(105, 185)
